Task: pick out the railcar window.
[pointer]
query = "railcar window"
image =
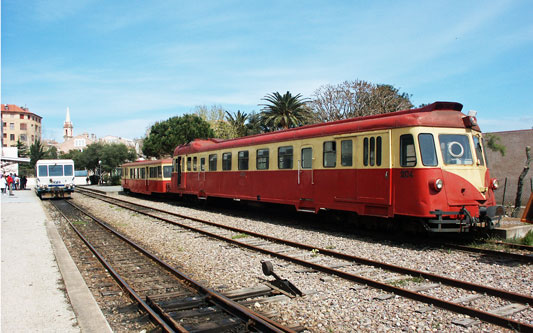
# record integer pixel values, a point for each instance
(55, 170)
(159, 174)
(226, 161)
(202, 164)
(407, 151)
(455, 149)
(43, 171)
(189, 163)
(143, 175)
(378, 151)
(365, 151)
(213, 162)
(132, 176)
(243, 160)
(167, 171)
(330, 154)
(346, 153)
(194, 163)
(307, 158)
(152, 172)
(262, 159)
(68, 170)
(372, 150)
(427, 149)
(479, 150)
(285, 157)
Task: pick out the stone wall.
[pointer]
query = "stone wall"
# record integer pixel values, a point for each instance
(511, 165)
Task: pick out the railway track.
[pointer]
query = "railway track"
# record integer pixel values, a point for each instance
(386, 277)
(173, 301)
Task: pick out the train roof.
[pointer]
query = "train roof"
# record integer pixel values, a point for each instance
(56, 161)
(147, 162)
(438, 114)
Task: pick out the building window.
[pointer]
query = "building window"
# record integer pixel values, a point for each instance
(262, 159)
(12, 137)
(5, 135)
(23, 126)
(23, 138)
(21, 116)
(12, 126)
(243, 160)
(285, 157)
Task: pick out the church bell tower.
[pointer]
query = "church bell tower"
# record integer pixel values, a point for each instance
(67, 127)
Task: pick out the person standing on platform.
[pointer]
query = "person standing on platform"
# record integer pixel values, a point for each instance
(10, 184)
(3, 184)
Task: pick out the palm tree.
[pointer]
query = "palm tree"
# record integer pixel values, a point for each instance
(284, 111)
(237, 121)
(37, 152)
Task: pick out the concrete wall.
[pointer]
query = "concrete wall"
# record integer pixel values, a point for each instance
(512, 164)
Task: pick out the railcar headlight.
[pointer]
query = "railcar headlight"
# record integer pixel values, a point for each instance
(495, 184)
(438, 184)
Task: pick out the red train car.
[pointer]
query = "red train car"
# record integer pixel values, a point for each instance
(424, 164)
(147, 177)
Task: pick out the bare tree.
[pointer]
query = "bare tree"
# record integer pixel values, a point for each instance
(356, 98)
(518, 200)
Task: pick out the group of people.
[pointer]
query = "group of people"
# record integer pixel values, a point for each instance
(12, 182)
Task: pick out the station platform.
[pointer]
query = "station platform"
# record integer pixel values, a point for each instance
(41, 287)
(103, 188)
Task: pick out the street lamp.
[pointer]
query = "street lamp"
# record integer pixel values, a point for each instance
(100, 173)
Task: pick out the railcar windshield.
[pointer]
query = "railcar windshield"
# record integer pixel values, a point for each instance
(427, 149)
(55, 170)
(455, 149)
(69, 170)
(43, 171)
(479, 151)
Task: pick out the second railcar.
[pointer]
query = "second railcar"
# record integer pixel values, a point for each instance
(54, 178)
(147, 177)
(423, 164)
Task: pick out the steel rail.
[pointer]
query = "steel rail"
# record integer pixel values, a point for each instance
(251, 318)
(513, 245)
(148, 309)
(486, 316)
(487, 251)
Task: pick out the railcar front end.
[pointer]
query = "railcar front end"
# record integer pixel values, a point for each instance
(54, 178)
(444, 179)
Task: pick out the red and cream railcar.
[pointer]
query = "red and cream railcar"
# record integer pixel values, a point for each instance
(147, 177)
(426, 164)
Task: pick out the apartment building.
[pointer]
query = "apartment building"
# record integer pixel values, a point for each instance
(19, 124)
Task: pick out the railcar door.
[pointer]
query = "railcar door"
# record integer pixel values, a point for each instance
(306, 178)
(181, 167)
(374, 175)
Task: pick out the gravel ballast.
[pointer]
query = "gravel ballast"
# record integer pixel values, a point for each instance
(334, 305)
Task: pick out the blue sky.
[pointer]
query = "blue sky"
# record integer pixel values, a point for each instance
(122, 65)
